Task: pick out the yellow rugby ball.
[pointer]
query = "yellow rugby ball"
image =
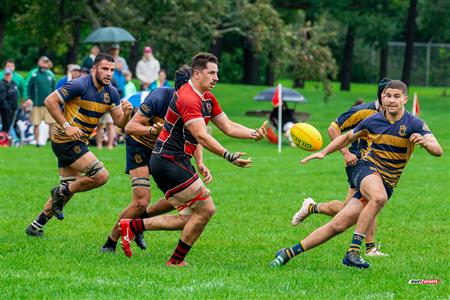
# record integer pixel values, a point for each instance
(306, 137)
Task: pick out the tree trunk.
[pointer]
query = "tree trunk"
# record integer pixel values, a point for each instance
(384, 54)
(346, 69)
(270, 69)
(299, 83)
(72, 52)
(410, 36)
(251, 65)
(217, 47)
(2, 32)
(135, 56)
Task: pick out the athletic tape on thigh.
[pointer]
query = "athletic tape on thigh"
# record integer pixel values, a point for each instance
(96, 167)
(66, 180)
(202, 196)
(140, 182)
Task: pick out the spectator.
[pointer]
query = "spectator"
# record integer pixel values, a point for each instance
(130, 88)
(119, 79)
(16, 77)
(85, 71)
(147, 68)
(88, 62)
(8, 99)
(288, 118)
(115, 51)
(42, 60)
(73, 72)
(41, 84)
(105, 121)
(161, 81)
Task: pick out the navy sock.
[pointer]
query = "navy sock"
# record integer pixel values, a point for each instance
(357, 240)
(295, 250)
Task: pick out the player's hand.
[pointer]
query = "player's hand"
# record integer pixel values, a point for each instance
(126, 107)
(156, 128)
(418, 139)
(259, 133)
(350, 159)
(73, 132)
(205, 172)
(317, 155)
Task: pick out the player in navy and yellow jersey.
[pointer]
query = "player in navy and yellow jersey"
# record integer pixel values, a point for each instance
(84, 101)
(392, 135)
(142, 132)
(184, 129)
(344, 122)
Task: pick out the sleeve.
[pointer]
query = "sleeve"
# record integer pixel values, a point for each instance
(115, 98)
(421, 127)
(147, 108)
(30, 87)
(362, 129)
(70, 90)
(347, 120)
(189, 109)
(216, 109)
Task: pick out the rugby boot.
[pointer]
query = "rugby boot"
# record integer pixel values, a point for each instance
(127, 236)
(57, 203)
(354, 259)
(33, 230)
(375, 252)
(303, 213)
(281, 258)
(174, 265)
(140, 241)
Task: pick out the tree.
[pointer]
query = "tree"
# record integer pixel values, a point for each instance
(410, 37)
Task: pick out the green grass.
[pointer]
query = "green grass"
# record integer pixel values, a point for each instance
(254, 209)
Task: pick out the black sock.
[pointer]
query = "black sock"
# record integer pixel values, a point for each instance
(144, 215)
(137, 226)
(180, 252)
(110, 243)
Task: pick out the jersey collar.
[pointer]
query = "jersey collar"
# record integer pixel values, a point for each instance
(195, 90)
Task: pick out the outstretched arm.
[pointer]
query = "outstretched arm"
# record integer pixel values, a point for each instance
(139, 125)
(237, 130)
(338, 143)
(429, 142)
(349, 158)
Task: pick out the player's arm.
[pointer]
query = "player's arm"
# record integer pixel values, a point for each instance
(121, 115)
(198, 130)
(236, 130)
(198, 156)
(53, 104)
(428, 142)
(333, 132)
(138, 125)
(338, 143)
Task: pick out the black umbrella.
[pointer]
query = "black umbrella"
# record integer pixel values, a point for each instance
(288, 95)
(109, 35)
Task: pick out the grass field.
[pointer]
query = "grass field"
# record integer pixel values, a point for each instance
(254, 209)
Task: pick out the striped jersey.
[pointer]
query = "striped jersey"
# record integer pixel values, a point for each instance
(154, 107)
(84, 105)
(351, 118)
(187, 105)
(389, 146)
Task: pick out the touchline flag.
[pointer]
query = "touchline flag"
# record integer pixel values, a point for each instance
(416, 107)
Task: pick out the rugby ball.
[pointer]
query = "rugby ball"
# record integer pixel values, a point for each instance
(306, 137)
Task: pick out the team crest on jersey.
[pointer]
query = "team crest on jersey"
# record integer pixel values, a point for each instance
(209, 106)
(402, 131)
(138, 158)
(77, 149)
(106, 97)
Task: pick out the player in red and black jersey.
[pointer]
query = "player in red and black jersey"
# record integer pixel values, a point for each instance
(189, 112)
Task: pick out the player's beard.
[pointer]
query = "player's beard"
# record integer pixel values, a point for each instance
(100, 80)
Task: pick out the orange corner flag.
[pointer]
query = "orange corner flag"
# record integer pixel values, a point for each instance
(275, 98)
(416, 107)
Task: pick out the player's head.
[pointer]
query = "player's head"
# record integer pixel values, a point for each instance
(395, 96)
(205, 70)
(381, 85)
(182, 76)
(103, 68)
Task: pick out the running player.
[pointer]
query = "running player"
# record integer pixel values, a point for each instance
(85, 100)
(142, 131)
(393, 133)
(184, 128)
(347, 121)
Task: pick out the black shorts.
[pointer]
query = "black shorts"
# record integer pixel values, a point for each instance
(68, 153)
(363, 169)
(349, 170)
(137, 155)
(172, 174)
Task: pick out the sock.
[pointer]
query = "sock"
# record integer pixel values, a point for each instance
(295, 250)
(180, 252)
(370, 246)
(65, 190)
(313, 209)
(110, 243)
(40, 221)
(356, 242)
(137, 226)
(144, 215)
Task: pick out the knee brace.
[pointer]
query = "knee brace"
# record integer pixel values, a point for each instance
(96, 167)
(140, 182)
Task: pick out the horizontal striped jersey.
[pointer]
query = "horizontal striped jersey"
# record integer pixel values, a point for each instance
(154, 107)
(84, 105)
(389, 147)
(188, 105)
(351, 118)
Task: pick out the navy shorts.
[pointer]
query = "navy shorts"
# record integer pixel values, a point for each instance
(172, 174)
(349, 170)
(363, 169)
(68, 153)
(137, 155)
